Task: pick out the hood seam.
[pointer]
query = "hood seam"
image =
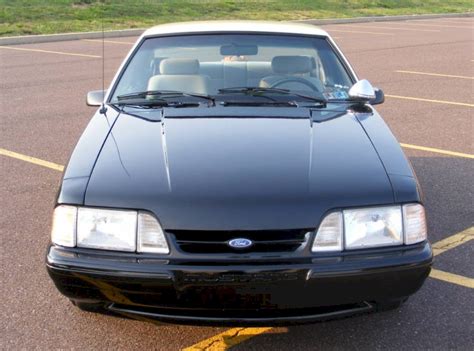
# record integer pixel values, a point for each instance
(98, 154)
(378, 155)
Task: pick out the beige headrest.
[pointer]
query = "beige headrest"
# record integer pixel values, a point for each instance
(181, 66)
(292, 64)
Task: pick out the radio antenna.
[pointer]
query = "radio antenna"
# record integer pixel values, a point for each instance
(103, 109)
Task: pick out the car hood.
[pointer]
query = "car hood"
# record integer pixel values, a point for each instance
(228, 173)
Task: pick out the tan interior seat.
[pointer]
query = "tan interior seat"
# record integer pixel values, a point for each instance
(285, 67)
(181, 75)
(229, 74)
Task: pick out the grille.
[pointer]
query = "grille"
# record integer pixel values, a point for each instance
(192, 241)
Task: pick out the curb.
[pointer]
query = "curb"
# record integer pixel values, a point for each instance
(46, 38)
(385, 18)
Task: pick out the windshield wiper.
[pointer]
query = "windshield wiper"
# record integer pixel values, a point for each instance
(163, 94)
(253, 90)
(150, 103)
(256, 91)
(259, 103)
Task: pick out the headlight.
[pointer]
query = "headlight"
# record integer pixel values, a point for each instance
(371, 227)
(106, 229)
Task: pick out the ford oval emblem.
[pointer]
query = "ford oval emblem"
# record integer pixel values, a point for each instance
(240, 243)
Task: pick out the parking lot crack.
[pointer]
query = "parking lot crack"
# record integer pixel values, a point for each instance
(218, 342)
(227, 339)
(453, 241)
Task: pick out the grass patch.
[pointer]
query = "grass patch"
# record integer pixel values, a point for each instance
(23, 17)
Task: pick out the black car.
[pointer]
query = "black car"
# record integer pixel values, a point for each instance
(236, 172)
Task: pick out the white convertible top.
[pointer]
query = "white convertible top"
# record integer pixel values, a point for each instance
(235, 26)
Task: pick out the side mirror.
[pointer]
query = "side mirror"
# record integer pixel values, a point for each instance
(362, 91)
(379, 97)
(95, 98)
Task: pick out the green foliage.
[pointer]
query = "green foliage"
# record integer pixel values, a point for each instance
(20, 17)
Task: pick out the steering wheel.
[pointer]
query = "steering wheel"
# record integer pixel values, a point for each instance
(295, 80)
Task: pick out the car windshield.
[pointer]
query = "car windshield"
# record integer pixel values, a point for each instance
(225, 65)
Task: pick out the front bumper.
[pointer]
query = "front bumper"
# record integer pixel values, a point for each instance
(239, 292)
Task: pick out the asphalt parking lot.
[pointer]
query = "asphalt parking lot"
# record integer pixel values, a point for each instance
(426, 69)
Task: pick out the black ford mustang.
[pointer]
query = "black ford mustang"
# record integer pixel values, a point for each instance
(236, 172)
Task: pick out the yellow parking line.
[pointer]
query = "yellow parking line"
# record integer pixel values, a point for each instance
(452, 278)
(227, 339)
(438, 151)
(453, 241)
(435, 74)
(447, 244)
(394, 28)
(357, 32)
(30, 159)
(49, 52)
(430, 100)
(109, 41)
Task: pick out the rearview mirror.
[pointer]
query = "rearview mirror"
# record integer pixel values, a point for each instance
(238, 50)
(362, 91)
(95, 98)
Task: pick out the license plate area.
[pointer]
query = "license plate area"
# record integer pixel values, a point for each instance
(242, 290)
